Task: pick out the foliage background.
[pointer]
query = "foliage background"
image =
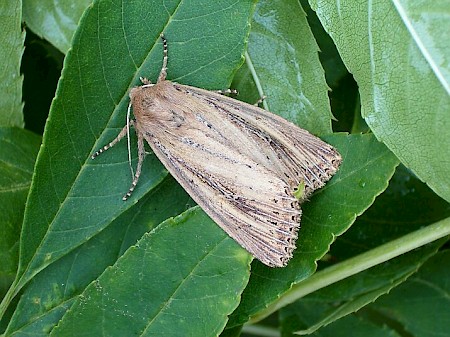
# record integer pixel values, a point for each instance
(87, 259)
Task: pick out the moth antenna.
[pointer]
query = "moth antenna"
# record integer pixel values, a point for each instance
(121, 134)
(163, 73)
(145, 80)
(128, 138)
(141, 155)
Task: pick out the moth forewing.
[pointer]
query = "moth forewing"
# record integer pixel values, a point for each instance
(248, 169)
(288, 149)
(239, 191)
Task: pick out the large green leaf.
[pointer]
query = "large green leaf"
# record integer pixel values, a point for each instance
(398, 54)
(181, 279)
(54, 21)
(428, 25)
(11, 40)
(73, 198)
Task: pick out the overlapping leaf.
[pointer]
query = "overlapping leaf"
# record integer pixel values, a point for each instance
(54, 21)
(402, 73)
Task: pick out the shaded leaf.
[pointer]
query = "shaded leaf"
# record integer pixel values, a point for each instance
(18, 151)
(335, 69)
(349, 325)
(41, 63)
(345, 297)
(11, 40)
(54, 21)
(403, 101)
(343, 92)
(421, 304)
(232, 332)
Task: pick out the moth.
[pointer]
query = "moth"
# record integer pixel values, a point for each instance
(247, 168)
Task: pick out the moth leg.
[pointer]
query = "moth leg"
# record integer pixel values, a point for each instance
(163, 73)
(141, 156)
(227, 91)
(121, 134)
(260, 100)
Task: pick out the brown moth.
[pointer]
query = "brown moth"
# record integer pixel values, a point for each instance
(247, 168)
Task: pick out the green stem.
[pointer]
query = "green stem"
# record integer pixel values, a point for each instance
(255, 77)
(261, 331)
(357, 264)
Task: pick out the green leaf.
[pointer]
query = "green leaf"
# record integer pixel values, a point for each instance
(428, 25)
(18, 151)
(343, 92)
(286, 69)
(184, 263)
(52, 291)
(392, 218)
(73, 198)
(396, 213)
(338, 299)
(54, 21)
(398, 54)
(348, 326)
(366, 169)
(11, 39)
(351, 294)
(421, 304)
(335, 69)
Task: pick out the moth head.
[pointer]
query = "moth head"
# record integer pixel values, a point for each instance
(138, 91)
